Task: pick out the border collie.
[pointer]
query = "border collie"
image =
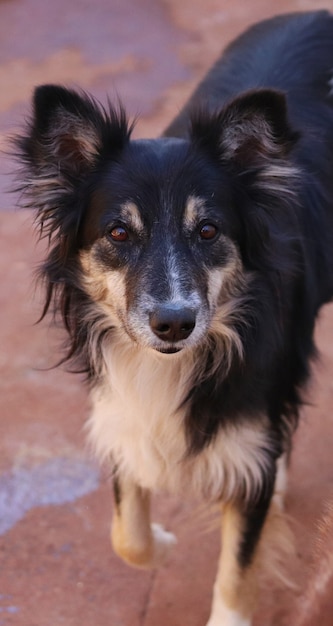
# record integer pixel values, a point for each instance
(188, 271)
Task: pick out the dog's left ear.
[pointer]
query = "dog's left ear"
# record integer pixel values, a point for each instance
(250, 130)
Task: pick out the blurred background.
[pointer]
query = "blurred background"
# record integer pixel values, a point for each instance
(56, 563)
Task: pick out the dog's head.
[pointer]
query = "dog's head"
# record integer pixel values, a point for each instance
(161, 236)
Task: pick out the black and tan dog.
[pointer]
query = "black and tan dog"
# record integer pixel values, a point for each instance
(188, 271)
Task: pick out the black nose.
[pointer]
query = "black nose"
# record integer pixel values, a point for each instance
(171, 323)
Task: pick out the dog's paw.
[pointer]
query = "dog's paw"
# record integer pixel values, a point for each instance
(163, 542)
(148, 550)
(227, 617)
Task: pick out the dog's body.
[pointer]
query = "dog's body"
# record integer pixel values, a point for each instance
(189, 271)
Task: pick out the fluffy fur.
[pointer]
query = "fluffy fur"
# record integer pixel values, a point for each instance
(188, 271)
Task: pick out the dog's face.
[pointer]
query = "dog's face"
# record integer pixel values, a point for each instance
(161, 235)
(156, 253)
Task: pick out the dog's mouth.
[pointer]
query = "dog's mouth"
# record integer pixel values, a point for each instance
(171, 350)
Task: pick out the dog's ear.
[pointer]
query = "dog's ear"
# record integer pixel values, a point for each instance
(66, 138)
(250, 130)
(72, 130)
(251, 138)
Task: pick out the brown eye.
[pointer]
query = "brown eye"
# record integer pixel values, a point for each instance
(208, 231)
(118, 233)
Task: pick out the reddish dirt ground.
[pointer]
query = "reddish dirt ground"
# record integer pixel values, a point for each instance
(56, 564)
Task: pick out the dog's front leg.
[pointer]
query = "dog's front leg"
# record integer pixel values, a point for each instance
(134, 538)
(235, 589)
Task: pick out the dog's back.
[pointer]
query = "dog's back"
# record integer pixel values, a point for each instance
(291, 53)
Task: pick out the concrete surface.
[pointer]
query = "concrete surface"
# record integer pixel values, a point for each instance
(56, 566)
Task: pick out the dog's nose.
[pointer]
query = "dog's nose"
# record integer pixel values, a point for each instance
(171, 323)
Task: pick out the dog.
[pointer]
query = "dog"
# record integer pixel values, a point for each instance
(188, 271)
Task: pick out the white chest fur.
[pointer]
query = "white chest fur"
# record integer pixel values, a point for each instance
(136, 419)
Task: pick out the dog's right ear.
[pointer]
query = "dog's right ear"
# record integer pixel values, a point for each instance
(66, 138)
(72, 130)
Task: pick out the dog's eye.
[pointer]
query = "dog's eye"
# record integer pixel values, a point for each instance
(208, 231)
(119, 234)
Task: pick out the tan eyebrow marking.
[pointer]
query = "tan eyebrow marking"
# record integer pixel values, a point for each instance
(130, 212)
(194, 211)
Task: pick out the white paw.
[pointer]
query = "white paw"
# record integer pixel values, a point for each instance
(236, 621)
(223, 616)
(163, 542)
